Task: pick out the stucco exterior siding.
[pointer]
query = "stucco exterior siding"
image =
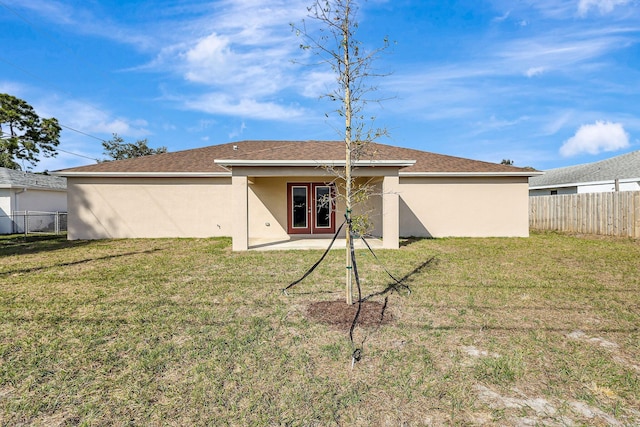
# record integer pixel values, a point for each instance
(270, 191)
(588, 187)
(268, 206)
(547, 191)
(40, 200)
(5, 201)
(201, 207)
(464, 207)
(149, 207)
(6, 222)
(13, 200)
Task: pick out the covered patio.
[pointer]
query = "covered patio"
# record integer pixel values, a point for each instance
(263, 207)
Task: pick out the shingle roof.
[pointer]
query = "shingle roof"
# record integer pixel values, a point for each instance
(202, 159)
(625, 166)
(10, 178)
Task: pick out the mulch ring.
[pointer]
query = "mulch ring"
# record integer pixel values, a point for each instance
(340, 315)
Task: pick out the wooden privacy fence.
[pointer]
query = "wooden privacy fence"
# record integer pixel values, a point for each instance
(610, 214)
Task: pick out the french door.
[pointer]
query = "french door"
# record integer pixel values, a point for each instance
(311, 208)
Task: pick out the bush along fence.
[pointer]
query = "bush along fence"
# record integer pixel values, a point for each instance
(31, 222)
(609, 214)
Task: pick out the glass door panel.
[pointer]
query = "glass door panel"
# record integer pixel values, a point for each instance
(300, 207)
(323, 209)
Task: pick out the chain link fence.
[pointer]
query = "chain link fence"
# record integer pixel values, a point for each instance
(33, 222)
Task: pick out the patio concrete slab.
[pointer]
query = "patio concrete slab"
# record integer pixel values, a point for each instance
(306, 244)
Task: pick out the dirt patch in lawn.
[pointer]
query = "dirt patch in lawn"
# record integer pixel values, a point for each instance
(340, 315)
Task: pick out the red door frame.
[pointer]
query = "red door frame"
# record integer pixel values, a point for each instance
(311, 209)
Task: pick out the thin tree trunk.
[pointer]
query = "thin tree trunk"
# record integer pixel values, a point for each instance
(348, 148)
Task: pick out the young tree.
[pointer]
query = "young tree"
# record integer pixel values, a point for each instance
(117, 149)
(23, 134)
(336, 44)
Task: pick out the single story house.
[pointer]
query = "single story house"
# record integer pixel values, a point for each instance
(620, 173)
(280, 190)
(24, 191)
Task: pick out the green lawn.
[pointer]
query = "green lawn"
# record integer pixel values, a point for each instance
(543, 330)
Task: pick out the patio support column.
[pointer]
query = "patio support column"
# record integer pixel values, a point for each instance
(240, 210)
(390, 212)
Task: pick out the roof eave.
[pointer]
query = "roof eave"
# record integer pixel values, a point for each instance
(313, 163)
(72, 174)
(580, 184)
(468, 174)
(30, 187)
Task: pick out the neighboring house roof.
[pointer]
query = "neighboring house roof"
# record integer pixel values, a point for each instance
(10, 178)
(626, 166)
(213, 160)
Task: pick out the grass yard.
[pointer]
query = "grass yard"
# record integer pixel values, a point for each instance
(537, 331)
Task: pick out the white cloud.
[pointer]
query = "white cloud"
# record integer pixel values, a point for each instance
(237, 132)
(558, 120)
(220, 103)
(93, 120)
(210, 60)
(14, 89)
(502, 18)
(82, 20)
(554, 52)
(242, 51)
(595, 138)
(317, 84)
(605, 6)
(494, 123)
(89, 118)
(535, 71)
(557, 9)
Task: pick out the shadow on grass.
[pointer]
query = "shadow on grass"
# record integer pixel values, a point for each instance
(58, 319)
(157, 314)
(510, 308)
(82, 261)
(585, 288)
(393, 286)
(24, 245)
(401, 283)
(407, 241)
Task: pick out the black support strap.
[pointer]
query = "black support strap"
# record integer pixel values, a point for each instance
(313, 267)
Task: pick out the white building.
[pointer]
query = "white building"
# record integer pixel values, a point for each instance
(23, 191)
(620, 173)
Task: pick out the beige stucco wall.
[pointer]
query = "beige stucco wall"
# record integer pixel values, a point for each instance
(268, 208)
(267, 201)
(148, 207)
(464, 207)
(203, 207)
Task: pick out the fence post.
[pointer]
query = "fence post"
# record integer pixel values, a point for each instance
(636, 210)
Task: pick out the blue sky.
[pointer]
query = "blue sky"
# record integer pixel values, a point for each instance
(546, 83)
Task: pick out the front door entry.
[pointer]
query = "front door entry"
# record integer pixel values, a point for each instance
(310, 208)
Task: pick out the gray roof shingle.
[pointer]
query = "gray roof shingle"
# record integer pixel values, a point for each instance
(625, 166)
(10, 178)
